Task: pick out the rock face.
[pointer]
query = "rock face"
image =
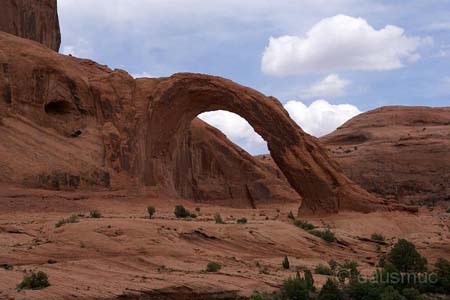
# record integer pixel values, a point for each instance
(30, 19)
(397, 152)
(94, 126)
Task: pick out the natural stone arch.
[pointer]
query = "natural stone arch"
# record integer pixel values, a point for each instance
(177, 100)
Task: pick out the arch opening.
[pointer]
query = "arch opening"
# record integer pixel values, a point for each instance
(177, 101)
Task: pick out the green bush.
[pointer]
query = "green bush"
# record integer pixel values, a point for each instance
(389, 293)
(151, 211)
(291, 215)
(323, 270)
(442, 269)
(95, 214)
(218, 219)
(330, 291)
(326, 235)
(295, 289)
(285, 263)
(193, 216)
(71, 219)
(405, 257)
(448, 210)
(181, 212)
(309, 280)
(378, 237)
(304, 225)
(242, 221)
(333, 265)
(213, 267)
(36, 281)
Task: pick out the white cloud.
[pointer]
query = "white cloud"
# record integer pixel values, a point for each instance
(143, 75)
(237, 129)
(317, 119)
(320, 117)
(340, 43)
(330, 86)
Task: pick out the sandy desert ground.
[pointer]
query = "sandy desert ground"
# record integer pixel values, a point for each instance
(124, 255)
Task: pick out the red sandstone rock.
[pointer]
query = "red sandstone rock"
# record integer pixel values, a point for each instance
(397, 152)
(141, 126)
(31, 19)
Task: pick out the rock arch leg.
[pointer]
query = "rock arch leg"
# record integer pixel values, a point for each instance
(177, 100)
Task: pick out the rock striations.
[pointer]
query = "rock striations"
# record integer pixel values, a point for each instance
(71, 123)
(30, 19)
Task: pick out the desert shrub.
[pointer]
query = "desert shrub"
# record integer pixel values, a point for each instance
(309, 281)
(213, 267)
(285, 263)
(351, 270)
(405, 257)
(291, 215)
(35, 281)
(71, 219)
(193, 216)
(218, 219)
(257, 296)
(151, 211)
(197, 209)
(411, 294)
(389, 293)
(323, 270)
(295, 289)
(242, 221)
(378, 237)
(448, 210)
(181, 212)
(330, 291)
(327, 235)
(304, 225)
(442, 270)
(95, 214)
(333, 265)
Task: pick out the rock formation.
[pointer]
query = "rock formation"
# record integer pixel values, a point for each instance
(397, 152)
(30, 19)
(112, 130)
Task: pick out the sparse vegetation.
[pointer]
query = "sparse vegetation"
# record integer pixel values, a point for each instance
(151, 211)
(193, 216)
(71, 219)
(213, 267)
(327, 235)
(291, 216)
(376, 287)
(95, 214)
(35, 281)
(181, 212)
(304, 225)
(323, 270)
(448, 210)
(218, 219)
(242, 221)
(285, 263)
(378, 237)
(405, 258)
(197, 209)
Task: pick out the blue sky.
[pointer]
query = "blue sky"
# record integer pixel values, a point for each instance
(363, 54)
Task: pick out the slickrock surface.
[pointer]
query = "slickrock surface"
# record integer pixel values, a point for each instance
(31, 19)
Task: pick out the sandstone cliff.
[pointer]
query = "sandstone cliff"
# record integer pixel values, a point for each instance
(30, 19)
(397, 152)
(71, 123)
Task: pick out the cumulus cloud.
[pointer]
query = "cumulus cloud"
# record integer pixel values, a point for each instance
(320, 117)
(143, 75)
(237, 129)
(340, 43)
(330, 86)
